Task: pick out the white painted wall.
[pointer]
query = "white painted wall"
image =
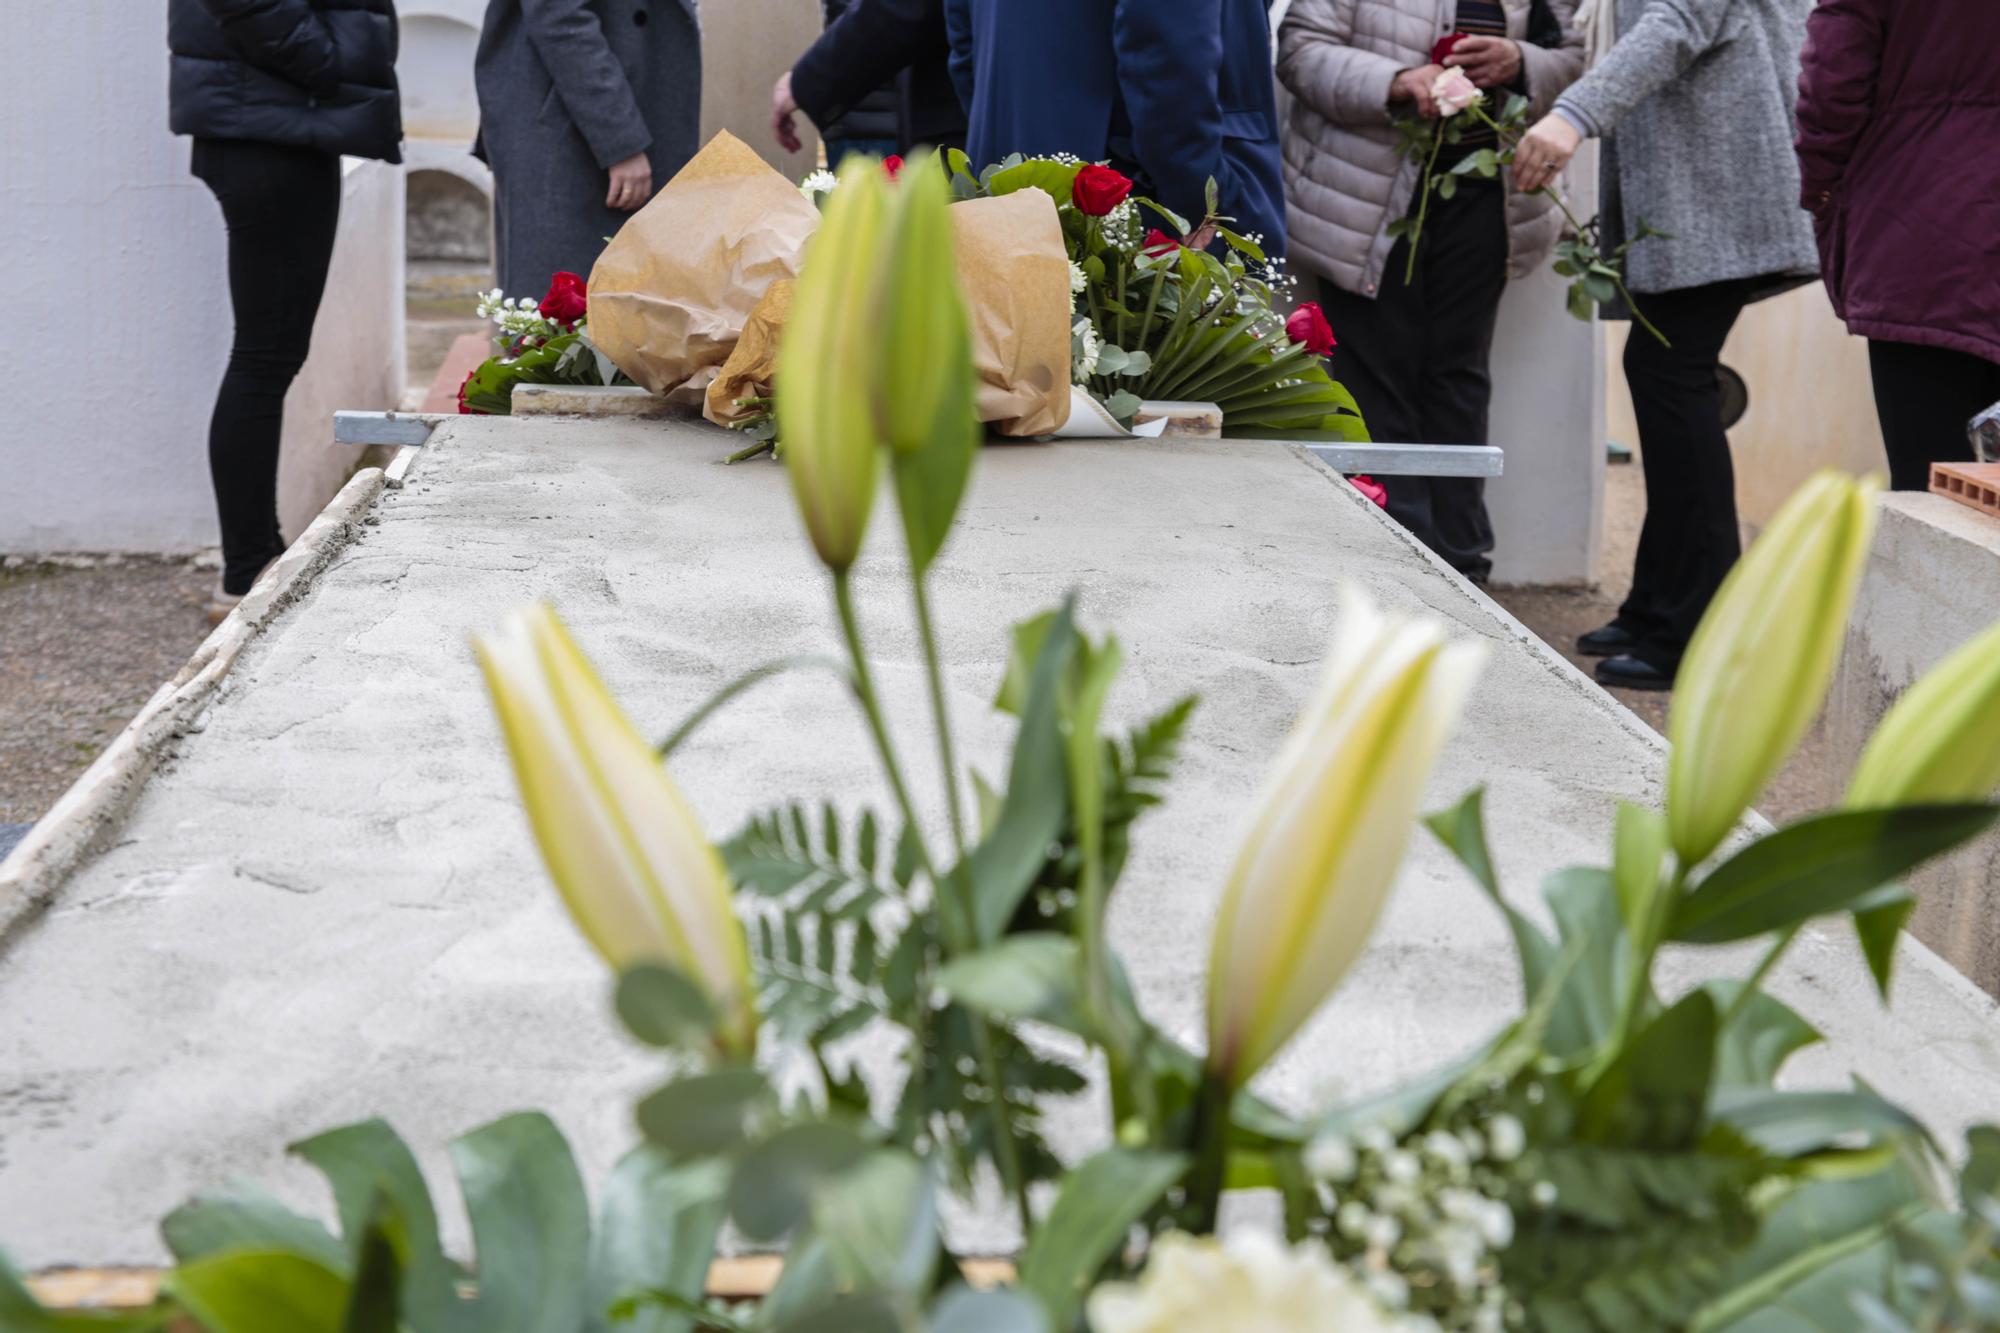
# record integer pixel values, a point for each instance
(1548, 414)
(119, 312)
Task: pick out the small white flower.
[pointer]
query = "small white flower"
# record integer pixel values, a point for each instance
(1077, 280)
(819, 182)
(1474, 1145)
(1382, 1232)
(1087, 349)
(1507, 1138)
(1352, 1219)
(1390, 1289)
(1445, 1150)
(1375, 1139)
(1496, 1224)
(1543, 1193)
(1330, 1157)
(1401, 1167)
(1259, 1283)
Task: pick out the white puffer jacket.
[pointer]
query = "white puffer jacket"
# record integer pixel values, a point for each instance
(1345, 181)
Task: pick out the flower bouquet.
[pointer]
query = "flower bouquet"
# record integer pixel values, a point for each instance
(1596, 278)
(1614, 1158)
(539, 342)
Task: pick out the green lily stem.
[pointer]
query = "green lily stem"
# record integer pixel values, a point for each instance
(749, 679)
(1423, 205)
(1644, 946)
(1210, 1142)
(1007, 1151)
(1752, 982)
(941, 715)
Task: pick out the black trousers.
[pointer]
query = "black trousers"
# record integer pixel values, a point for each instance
(282, 208)
(1925, 396)
(1415, 358)
(1690, 538)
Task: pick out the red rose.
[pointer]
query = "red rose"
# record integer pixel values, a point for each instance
(1158, 243)
(1098, 190)
(1308, 327)
(568, 299)
(463, 385)
(1444, 46)
(893, 164)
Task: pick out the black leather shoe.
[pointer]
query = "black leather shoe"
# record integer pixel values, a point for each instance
(1609, 641)
(1629, 673)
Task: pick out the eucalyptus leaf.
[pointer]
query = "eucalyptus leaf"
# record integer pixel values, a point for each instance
(368, 1162)
(247, 1218)
(661, 1007)
(1003, 1310)
(878, 1220)
(772, 1188)
(530, 1224)
(1029, 975)
(1089, 1222)
(261, 1291)
(657, 1226)
(704, 1114)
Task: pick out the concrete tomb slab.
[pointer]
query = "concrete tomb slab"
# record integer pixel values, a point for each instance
(324, 904)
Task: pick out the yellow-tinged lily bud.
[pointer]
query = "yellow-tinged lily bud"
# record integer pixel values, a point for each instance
(829, 367)
(1331, 827)
(928, 388)
(1940, 743)
(1760, 663)
(638, 876)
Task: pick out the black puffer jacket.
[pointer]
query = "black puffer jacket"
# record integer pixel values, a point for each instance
(305, 73)
(878, 115)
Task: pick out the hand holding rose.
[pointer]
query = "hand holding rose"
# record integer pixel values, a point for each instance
(1490, 62)
(1414, 85)
(1544, 151)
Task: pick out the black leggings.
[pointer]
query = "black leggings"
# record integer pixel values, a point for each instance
(1690, 537)
(282, 207)
(1926, 396)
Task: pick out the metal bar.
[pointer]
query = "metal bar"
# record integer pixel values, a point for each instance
(398, 428)
(1412, 460)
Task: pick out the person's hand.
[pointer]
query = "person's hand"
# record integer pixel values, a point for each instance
(1490, 62)
(631, 183)
(1414, 85)
(1544, 151)
(784, 113)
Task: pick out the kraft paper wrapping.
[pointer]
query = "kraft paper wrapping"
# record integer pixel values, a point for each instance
(674, 290)
(1014, 269)
(752, 367)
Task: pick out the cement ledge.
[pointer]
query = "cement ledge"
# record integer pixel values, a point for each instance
(64, 836)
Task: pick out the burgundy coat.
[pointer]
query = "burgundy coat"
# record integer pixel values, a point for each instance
(1899, 155)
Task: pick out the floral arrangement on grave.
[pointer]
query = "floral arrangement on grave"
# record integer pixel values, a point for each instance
(537, 342)
(1596, 278)
(1615, 1158)
(1159, 316)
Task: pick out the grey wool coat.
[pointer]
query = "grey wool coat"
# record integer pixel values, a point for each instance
(566, 89)
(1697, 98)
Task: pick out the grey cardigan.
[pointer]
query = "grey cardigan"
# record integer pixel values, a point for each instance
(1697, 98)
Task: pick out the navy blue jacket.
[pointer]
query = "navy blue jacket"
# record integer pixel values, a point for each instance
(1172, 92)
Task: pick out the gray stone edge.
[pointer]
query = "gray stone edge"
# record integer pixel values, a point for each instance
(72, 829)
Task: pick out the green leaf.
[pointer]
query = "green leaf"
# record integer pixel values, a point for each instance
(375, 1300)
(1242, 244)
(366, 1163)
(246, 1218)
(1027, 975)
(661, 1007)
(1758, 1041)
(1818, 866)
(530, 1224)
(1640, 853)
(1089, 1222)
(1005, 864)
(656, 1229)
(1585, 903)
(1056, 179)
(261, 1291)
(878, 1221)
(1793, 1124)
(1653, 1094)
(704, 1114)
(1879, 926)
(1003, 1310)
(772, 1188)
(1823, 1242)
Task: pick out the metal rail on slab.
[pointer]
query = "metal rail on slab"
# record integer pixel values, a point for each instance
(1411, 460)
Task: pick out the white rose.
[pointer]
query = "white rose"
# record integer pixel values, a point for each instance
(1454, 92)
(1249, 1284)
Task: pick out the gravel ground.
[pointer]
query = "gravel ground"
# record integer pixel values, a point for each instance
(81, 650)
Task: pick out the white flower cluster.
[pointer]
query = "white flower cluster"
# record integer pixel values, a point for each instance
(517, 319)
(1248, 1282)
(819, 183)
(1121, 225)
(1424, 1220)
(1084, 347)
(1077, 279)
